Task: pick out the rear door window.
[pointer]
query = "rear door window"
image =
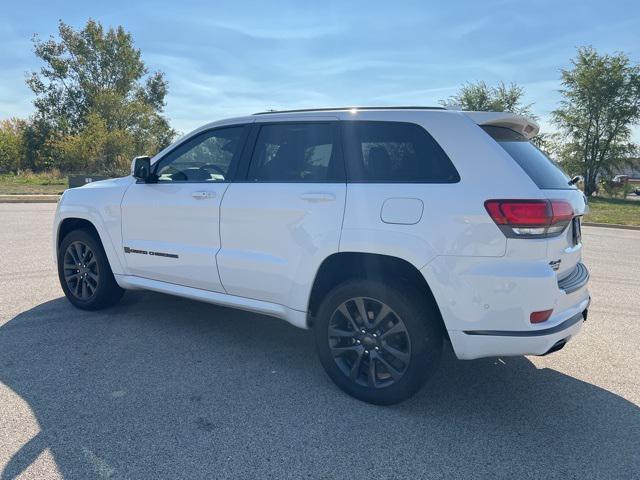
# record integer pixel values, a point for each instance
(546, 174)
(395, 152)
(297, 152)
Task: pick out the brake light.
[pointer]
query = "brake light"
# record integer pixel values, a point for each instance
(539, 317)
(520, 212)
(530, 218)
(562, 211)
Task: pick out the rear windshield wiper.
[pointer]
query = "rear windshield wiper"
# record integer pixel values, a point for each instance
(574, 180)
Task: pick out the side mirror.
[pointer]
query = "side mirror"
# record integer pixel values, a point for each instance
(141, 169)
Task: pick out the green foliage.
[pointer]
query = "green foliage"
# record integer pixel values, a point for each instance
(613, 189)
(12, 145)
(96, 104)
(601, 101)
(96, 148)
(481, 97)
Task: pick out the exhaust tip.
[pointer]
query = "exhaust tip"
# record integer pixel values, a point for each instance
(559, 345)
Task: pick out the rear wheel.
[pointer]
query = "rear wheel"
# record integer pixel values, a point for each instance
(84, 272)
(379, 343)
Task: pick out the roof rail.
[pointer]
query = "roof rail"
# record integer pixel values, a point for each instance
(328, 109)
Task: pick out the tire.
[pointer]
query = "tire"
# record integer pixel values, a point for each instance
(83, 252)
(404, 344)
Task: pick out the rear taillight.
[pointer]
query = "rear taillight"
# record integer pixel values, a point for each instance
(530, 218)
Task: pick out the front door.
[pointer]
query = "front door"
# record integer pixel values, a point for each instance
(170, 229)
(284, 219)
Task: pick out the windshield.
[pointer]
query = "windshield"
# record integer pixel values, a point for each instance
(541, 169)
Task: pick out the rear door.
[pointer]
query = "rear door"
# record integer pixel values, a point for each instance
(170, 229)
(284, 218)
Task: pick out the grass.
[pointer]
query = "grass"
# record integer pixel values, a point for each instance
(28, 183)
(613, 210)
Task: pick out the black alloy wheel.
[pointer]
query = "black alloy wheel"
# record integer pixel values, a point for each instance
(369, 342)
(378, 341)
(84, 271)
(81, 270)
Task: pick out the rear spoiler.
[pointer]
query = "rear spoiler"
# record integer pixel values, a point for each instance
(515, 122)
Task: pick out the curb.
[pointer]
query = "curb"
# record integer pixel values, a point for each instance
(611, 225)
(29, 198)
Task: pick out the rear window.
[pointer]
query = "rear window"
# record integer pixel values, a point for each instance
(395, 152)
(540, 168)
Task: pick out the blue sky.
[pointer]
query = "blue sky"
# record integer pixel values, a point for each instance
(233, 58)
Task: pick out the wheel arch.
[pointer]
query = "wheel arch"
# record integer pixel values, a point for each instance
(342, 266)
(71, 223)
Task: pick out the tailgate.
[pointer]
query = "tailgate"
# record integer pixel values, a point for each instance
(564, 251)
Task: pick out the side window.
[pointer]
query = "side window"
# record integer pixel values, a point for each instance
(206, 158)
(296, 152)
(395, 152)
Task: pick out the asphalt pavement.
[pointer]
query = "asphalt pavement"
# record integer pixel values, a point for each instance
(161, 387)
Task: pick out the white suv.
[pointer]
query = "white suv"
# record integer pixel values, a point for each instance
(386, 230)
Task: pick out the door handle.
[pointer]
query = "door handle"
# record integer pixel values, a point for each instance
(317, 197)
(203, 195)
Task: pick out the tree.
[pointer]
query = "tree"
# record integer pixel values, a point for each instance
(12, 144)
(483, 98)
(600, 102)
(96, 79)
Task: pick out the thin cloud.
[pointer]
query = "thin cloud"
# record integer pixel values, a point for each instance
(227, 59)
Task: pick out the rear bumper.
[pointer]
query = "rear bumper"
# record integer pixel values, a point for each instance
(472, 344)
(486, 304)
(561, 327)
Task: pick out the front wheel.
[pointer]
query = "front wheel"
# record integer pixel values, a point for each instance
(378, 342)
(85, 275)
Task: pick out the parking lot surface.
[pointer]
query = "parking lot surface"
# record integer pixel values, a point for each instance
(161, 387)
